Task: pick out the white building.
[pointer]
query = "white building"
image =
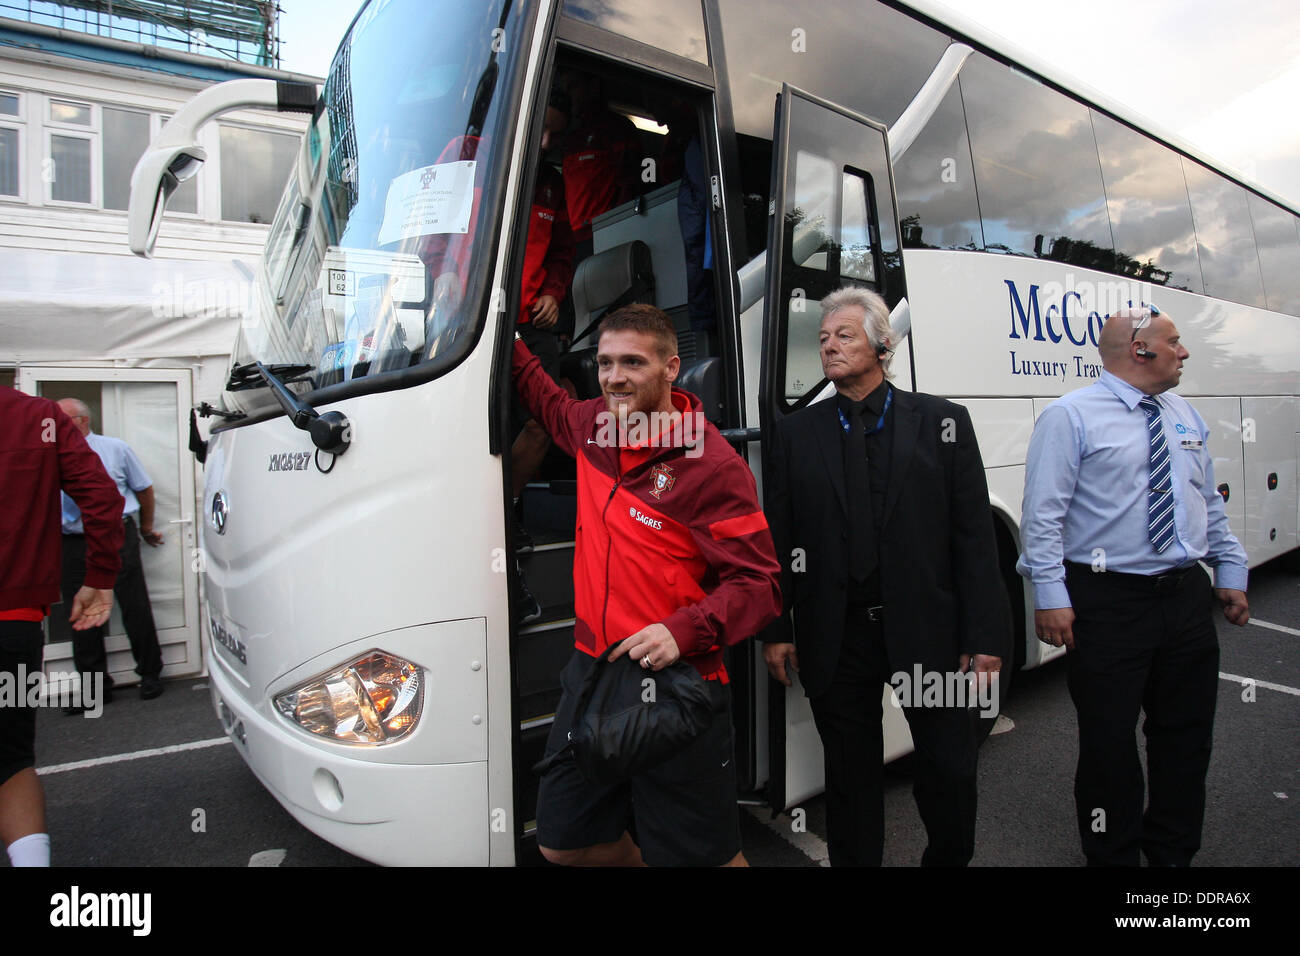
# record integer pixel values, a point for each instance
(140, 341)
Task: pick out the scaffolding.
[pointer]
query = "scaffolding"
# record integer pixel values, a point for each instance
(243, 30)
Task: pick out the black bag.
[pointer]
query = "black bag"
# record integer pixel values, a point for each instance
(623, 726)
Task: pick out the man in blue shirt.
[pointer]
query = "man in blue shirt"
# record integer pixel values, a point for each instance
(1120, 506)
(134, 485)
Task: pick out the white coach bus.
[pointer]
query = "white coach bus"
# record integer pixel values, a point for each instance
(357, 517)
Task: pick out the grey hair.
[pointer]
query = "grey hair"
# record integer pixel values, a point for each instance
(876, 324)
(78, 406)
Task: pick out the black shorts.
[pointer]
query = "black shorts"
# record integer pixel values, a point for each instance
(21, 645)
(683, 811)
(546, 346)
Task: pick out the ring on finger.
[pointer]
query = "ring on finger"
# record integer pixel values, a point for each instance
(645, 661)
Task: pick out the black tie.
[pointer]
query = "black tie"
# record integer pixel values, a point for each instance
(862, 531)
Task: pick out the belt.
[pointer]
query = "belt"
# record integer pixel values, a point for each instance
(1161, 581)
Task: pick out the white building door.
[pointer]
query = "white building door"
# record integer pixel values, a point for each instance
(149, 410)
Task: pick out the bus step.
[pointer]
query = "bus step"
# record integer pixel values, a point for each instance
(548, 570)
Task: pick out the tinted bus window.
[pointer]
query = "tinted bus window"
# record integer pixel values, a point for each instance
(1224, 237)
(1150, 214)
(936, 187)
(1036, 168)
(676, 26)
(871, 59)
(1279, 254)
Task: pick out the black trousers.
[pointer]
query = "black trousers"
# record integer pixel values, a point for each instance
(848, 718)
(132, 596)
(1142, 646)
(21, 648)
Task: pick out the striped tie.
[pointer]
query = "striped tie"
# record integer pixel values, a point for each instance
(1160, 498)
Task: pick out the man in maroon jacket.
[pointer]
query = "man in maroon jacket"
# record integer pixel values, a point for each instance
(41, 453)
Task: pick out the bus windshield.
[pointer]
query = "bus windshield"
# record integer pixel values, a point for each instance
(377, 256)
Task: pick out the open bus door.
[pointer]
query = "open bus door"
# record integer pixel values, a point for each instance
(832, 221)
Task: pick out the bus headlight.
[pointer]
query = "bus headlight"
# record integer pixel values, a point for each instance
(373, 700)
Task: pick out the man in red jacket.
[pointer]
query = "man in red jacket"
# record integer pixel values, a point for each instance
(602, 157)
(41, 453)
(548, 269)
(674, 558)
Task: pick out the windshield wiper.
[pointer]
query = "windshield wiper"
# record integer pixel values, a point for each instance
(246, 376)
(330, 432)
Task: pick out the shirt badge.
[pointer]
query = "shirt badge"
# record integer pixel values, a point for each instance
(661, 477)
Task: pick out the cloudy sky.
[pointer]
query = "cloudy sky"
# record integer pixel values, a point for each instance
(1226, 80)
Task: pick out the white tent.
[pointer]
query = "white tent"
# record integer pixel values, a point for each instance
(66, 307)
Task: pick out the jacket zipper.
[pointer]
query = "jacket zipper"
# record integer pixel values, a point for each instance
(609, 548)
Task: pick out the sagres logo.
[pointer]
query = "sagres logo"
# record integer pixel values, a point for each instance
(645, 519)
(75, 909)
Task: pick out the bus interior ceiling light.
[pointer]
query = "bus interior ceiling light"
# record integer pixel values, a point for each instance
(375, 699)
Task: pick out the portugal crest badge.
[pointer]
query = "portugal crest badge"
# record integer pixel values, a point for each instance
(661, 480)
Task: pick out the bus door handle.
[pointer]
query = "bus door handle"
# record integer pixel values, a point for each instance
(741, 435)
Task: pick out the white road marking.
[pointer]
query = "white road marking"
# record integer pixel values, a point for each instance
(809, 844)
(267, 858)
(1243, 681)
(1275, 627)
(137, 755)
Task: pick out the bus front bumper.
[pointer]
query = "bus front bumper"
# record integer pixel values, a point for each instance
(392, 814)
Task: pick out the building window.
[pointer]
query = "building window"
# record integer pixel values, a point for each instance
(67, 169)
(11, 145)
(9, 152)
(255, 164)
(72, 114)
(126, 134)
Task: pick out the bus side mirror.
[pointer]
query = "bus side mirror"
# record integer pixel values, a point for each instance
(176, 155)
(900, 322)
(158, 174)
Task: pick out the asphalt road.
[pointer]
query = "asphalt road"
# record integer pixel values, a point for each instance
(146, 810)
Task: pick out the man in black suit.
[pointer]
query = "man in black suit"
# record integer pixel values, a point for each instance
(880, 513)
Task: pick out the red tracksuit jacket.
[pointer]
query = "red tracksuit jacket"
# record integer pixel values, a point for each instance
(548, 251)
(661, 537)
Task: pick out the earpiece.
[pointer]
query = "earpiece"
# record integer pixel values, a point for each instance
(1143, 353)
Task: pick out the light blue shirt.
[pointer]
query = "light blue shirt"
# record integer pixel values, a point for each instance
(123, 467)
(1086, 492)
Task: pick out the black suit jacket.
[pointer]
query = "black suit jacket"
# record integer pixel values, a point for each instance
(941, 586)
